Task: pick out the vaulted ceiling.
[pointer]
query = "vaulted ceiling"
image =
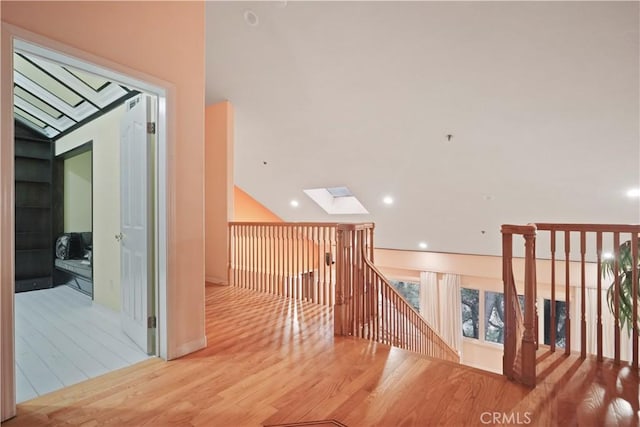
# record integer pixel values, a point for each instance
(541, 100)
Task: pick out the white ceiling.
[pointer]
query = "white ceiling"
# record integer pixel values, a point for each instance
(542, 100)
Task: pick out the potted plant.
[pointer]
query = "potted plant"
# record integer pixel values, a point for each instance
(625, 275)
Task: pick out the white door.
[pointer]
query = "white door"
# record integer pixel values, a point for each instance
(136, 190)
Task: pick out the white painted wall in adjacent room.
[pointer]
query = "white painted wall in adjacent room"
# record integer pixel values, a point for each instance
(104, 132)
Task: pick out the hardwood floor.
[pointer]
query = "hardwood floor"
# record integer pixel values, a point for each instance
(63, 339)
(276, 362)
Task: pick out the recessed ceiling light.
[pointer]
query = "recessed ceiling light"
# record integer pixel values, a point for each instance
(422, 245)
(294, 203)
(388, 200)
(633, 193)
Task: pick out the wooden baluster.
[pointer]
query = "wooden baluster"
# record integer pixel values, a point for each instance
(567, 322)
(230, 254)
(634, 287)
(252, 267)
(261, 253)
(247, 256)
(241, 251)
(247, 248)
(599, 292)
(377, 314)
(299, 259)
(282, 254)
(529, 339)
(315, 264)
(238, 247)
(259, 282)
(553, 326)
(312, 259)
(303, 258)
(274, 261)
(510, 320)
(258, 258)
(285, 261)
(324, 294)
(269, 260)
(583, 299)
(233, 257)
(229, 258)
(338, 311)
(363, 285)
(241, 243)
(616, 298)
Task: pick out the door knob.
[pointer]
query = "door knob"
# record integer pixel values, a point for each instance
(119, 237)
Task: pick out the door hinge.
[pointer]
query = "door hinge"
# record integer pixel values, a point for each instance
(151, 128)
(151, 322)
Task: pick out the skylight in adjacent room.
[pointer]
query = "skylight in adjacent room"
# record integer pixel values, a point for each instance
(52, 99)
(336, 200)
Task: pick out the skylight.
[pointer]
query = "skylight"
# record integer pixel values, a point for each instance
(52, 99)
(339, 192)
(336, 200)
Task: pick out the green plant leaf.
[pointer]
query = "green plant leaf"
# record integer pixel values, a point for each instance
(625, 289)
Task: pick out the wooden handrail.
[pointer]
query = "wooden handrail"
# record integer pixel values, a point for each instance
(521, 339)
(289, 259)
(367, 306)
(439, 347)
(330, 264)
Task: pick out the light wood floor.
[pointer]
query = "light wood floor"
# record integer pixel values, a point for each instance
(63, 339)
(271, 361)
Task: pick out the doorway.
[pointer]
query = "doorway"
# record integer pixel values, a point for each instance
(158, 260)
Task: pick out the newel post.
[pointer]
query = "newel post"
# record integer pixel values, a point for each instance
(529, 338)
(340, 311)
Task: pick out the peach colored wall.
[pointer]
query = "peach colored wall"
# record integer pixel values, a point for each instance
(246, 208)
(162, 41)
(218, 189)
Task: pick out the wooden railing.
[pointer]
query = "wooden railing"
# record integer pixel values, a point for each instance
(368, 307)
(330, 264)
(294, 260)
(579, 269)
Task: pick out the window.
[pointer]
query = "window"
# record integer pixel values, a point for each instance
(470, 300)
(409, 290)
(561, 317)
(494, 315)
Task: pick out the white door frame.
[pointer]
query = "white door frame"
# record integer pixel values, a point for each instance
(49, 49)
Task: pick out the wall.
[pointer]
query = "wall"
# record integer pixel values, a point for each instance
(218, 189)
(105, 134)
(77, 193)
(246, 208)
(161, 43)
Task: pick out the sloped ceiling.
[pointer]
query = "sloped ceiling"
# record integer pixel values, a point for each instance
(541, 100)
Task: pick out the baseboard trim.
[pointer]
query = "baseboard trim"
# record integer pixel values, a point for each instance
(216, 280)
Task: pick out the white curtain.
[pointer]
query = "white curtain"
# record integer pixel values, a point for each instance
(591, 317)
(429, 298)
(440, 305)
(451, 311)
